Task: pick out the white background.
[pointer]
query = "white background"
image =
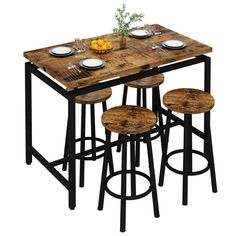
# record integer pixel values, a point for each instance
(32, 202)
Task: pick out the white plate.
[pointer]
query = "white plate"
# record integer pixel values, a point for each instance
(92, 62)
(140, 33)
(174, 44)
(61, 50)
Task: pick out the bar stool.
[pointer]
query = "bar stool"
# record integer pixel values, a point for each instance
(91, 99)
(131, 122)
(188, 102)
(141, 86)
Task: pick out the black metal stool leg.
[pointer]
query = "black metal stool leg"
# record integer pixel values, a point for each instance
(65, 156)
(125, 91)
(132, 166)
(82, 144)
(208, 150)
(152, 176)
(144, 97)
(137, 150)
(187, 156)
(155, 99)
(164, 149)
(104, 171)
(93, 135)
(156, 107)
(124, 99)
(123, 185)
(137, 153)
(111, 165)
(104, 106)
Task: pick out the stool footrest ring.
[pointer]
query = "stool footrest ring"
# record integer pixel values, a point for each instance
(88, 158)
(192, 173)
(137, 196)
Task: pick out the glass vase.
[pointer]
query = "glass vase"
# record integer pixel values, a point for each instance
(123, 41)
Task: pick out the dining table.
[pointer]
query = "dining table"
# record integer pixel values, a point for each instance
(136, 61)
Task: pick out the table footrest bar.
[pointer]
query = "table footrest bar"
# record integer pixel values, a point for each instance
(58, 162)
(97, 149)
(196, 131)
(50, 168)
(85, 153)
(158, 129)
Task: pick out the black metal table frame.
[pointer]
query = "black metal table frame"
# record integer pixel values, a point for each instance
(70, 184)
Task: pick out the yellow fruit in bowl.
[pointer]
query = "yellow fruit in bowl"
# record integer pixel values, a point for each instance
(100, 42)
(101, 45)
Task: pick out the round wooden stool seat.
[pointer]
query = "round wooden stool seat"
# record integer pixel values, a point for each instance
(188, 101)
(94, 97)
(148, 82)
(129, 119)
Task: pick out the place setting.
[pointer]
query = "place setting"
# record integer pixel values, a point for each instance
(80, 71)
(64, 51)
(61, 51)
(174, 44)
(92, 63)
(140, 33)
(74, 72)
(144, 32)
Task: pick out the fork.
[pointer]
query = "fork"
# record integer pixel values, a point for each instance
(74, 67)
(155, 46)
(156, 32)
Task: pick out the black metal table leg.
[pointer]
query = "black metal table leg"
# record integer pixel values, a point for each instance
(71, 152)
(207, 74)
(28, 114)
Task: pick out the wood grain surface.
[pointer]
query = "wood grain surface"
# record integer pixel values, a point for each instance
(188, 101)
(136, 57)
(94, 97)
(148, 82)
(129, 119)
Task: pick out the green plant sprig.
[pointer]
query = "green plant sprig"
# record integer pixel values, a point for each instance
(125, 19)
